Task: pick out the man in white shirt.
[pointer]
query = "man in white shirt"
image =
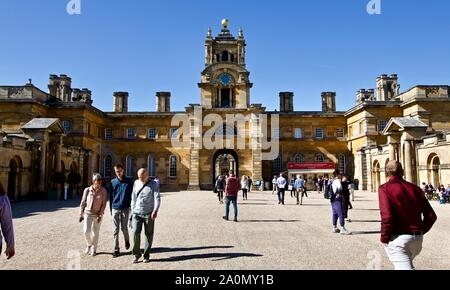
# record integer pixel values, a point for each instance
(281, 185)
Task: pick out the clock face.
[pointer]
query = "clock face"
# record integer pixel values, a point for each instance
(225, 79)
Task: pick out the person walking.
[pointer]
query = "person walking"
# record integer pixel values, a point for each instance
(92, 208)
(145, 203)
(244, 186)
(220, 187)
(345, 198)
(6, 225)
(336, 204)
(299, 186)
(281, 185)
(231, 192)
(120, 202)
(406, 216)
(274, 184)
(249, 183)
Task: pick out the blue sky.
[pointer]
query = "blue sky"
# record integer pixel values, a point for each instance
(145, 46)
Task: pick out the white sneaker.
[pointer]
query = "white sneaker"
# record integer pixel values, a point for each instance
(93, 252)
(88, 250)
(345, 232)
(335, 231)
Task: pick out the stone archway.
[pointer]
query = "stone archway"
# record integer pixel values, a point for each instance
(15, 178)
(434, 165)
(223, 161)
(376, 176)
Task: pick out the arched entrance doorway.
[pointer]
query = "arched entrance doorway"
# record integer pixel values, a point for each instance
(376, 176)
(14, 178)
(434, 164)
(224, 161)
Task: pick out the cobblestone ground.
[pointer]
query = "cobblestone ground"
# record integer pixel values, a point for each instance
(190, 234)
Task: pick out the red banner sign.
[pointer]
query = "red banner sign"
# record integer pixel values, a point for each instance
(311, 166)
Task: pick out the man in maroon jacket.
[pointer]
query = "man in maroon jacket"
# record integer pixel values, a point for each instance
(402, 227)
(231, 192)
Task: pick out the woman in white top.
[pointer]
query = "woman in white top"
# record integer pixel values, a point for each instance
(244, 186)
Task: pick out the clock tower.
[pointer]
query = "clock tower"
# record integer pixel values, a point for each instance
(225, 80)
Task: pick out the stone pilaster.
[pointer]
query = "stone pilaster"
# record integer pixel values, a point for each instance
(409, 170)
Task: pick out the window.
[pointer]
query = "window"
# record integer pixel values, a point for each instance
(320, 158)
(107, 167)
(360, 128)
(340, 133)
(108, 134)
(342, 163)
(299, 158)
(129, 169)
(225, 56)
(350, 131)
(382, 125)
(66, 126)
(97, 132)
(152, 133)
(173, 166)
(151, 166)
(319, 133)
(276, 132)
(298, 133)
(88, 128)
(277, 165)
(131, 133)
(228, 130)
(174, 133)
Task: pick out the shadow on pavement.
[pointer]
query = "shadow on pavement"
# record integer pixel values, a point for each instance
(269, 221)
(366, 233)
(165, 250)
(32, 208)
(366, 221)
(216, 256)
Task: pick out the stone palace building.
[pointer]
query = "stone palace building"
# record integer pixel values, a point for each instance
(60, 131)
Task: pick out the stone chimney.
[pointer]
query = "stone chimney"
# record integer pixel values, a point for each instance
(120, 102)
(163, 102)
(60, 87)
(66, 88)
(286, 102)
(53, 85)
(329, 102)
(388, 87)
(365, 95)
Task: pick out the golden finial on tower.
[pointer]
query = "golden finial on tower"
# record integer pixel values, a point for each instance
(225, 23)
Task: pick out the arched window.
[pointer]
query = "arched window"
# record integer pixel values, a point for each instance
(151, 166)
(107, 167)
(277, 165)
(299, 158)
(225, 56)
(319, 158)
(130, 169)
(173, 166)
(342, 163)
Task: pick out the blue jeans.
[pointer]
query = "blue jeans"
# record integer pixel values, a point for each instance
(232, 199)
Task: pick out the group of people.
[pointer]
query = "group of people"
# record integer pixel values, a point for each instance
(245, 185)
(406, 214)
(441, 192)
(135, 202)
